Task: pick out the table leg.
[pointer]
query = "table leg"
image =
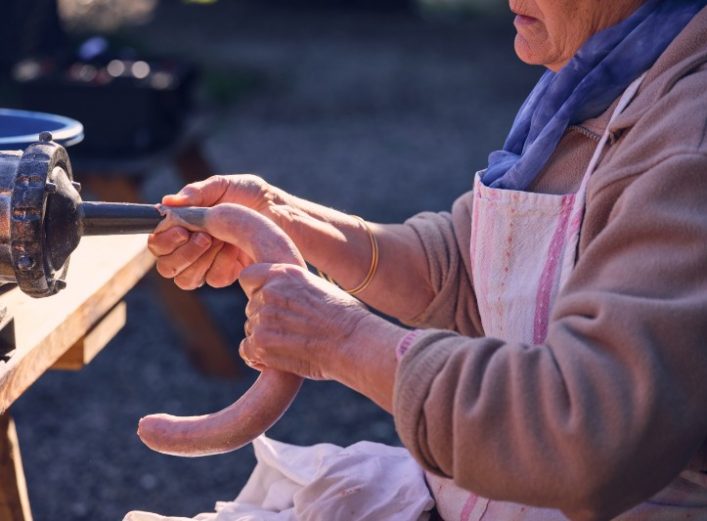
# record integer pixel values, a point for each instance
(14, 501)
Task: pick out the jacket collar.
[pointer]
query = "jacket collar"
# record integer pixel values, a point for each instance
(685, 54)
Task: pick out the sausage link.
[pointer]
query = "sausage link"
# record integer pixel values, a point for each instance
(272, 393)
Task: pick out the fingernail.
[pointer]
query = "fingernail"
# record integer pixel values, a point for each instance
(173, 199)
(182, 234)
(202, 240)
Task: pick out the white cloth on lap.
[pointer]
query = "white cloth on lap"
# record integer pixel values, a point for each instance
(364, 482)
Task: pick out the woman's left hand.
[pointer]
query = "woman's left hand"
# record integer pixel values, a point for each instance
(302, 324)
(296, 321)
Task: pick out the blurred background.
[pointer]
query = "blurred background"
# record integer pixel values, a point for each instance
(382, 108)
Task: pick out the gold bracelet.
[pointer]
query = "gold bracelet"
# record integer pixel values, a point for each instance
(375, 254)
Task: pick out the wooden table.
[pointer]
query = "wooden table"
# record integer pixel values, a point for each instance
(64, 331)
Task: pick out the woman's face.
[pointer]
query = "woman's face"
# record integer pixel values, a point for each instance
(550, 32)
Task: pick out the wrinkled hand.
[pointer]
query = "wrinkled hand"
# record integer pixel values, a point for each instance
(297, 322)
(195, 258)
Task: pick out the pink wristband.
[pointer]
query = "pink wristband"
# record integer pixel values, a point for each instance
(406, 342)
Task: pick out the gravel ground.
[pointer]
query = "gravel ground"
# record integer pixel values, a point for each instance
(383, 115)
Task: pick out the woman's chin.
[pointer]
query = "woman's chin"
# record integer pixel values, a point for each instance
(524, 51)
(533, 54)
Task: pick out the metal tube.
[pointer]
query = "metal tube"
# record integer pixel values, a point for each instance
(98, 218)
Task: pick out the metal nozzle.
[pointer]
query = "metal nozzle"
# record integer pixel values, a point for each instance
(98, 218)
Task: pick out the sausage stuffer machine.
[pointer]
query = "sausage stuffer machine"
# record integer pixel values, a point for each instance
(42, 217)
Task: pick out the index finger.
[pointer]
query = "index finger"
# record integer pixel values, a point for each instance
(202, 193)
(164, 243)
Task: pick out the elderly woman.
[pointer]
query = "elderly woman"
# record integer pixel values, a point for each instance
(557, 366)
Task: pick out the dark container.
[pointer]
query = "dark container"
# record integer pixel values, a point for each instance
(123, 113)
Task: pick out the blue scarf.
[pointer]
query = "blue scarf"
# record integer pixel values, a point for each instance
(600, 71)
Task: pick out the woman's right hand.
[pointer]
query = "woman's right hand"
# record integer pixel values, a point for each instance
(195, 259)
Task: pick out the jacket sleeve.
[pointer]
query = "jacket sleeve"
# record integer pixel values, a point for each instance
(445, 239)
(612, 406)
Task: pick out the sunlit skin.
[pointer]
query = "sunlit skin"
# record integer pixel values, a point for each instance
(550, 32)
(362, 354)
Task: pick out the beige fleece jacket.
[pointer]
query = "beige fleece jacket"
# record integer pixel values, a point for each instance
(614, 405)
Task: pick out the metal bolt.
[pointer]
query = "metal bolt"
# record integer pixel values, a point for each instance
(45, 137)
(25, 263)
(50, 187)
(77, 186)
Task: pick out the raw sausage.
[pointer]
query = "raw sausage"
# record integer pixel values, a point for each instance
(272, 393)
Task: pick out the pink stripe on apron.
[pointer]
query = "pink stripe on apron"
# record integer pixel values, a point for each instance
(550, 274)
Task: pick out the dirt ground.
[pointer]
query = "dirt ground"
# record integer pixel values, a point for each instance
(379, 114)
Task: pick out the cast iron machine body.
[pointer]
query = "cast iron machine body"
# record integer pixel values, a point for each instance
(42, 217)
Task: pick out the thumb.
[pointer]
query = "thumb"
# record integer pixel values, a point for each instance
(254, 277)
(178, 199)
(202, 193)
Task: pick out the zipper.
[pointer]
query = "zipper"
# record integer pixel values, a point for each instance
(585, 132)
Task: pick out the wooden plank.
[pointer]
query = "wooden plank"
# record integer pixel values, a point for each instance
(102, 270)
(82, 352)
(14, 502)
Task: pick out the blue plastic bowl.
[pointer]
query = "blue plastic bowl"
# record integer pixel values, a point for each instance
(20, 128)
